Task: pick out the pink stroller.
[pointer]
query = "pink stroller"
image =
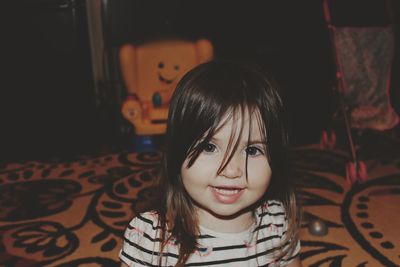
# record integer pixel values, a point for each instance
(363, 56)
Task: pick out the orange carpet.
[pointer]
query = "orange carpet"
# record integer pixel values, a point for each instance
(72, 212)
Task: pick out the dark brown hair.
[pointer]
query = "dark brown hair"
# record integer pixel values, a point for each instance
(203, 97)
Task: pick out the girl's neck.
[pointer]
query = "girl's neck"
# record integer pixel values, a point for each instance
(233, 224)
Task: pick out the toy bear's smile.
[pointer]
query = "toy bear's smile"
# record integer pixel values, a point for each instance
(165, 80)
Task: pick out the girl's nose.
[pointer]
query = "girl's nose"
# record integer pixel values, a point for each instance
(233, 169)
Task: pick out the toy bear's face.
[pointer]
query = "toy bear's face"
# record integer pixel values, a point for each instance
(160, 66)
(167, 73)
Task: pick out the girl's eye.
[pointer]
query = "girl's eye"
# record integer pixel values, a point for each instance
(208, 147)
(253, 151)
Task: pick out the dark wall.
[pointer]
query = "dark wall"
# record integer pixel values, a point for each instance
(49, 106)
(49, 101)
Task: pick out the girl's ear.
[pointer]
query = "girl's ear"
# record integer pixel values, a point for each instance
(205, 51)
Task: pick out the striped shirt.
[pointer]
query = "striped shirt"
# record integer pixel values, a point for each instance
(248, 248)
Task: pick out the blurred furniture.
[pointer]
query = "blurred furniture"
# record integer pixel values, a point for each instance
(151, 71)
(363, 44)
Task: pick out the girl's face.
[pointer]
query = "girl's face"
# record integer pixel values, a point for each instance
(223, 200)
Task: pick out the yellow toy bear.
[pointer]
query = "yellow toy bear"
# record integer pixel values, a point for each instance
(150, 72)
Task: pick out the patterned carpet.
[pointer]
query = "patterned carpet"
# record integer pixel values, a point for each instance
(73, 212)
(362, 220)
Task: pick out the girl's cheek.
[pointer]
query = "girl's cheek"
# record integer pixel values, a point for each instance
(206, 158)
(259, 167)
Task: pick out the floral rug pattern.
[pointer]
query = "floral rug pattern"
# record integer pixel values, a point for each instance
(73, 212)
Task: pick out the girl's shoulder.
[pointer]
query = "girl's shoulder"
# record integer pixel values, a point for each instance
(141, 240)
(146, 222)
(272, 211)
(272, 206)
(143, 229)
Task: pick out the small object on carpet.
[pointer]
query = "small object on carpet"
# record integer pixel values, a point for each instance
(318, 228)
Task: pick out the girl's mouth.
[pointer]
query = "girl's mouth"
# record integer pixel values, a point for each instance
(227, 195)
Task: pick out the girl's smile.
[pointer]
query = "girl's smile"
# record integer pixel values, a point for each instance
(226, 195)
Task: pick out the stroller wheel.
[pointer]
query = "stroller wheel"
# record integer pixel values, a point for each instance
(323, 142)
(351, 174)
(361, 171)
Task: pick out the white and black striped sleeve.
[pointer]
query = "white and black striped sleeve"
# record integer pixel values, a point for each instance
(140, 246)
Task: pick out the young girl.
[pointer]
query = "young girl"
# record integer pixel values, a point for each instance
(225, 195)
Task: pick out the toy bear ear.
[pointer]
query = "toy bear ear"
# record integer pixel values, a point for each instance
(205, 50)
(127, 61)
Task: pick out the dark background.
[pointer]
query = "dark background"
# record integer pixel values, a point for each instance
(49, 101)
